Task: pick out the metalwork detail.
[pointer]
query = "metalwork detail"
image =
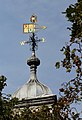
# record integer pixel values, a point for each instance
(33, 40)
(32, 28)
(33, 18)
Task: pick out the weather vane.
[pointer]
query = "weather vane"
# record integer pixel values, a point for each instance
(32, 28)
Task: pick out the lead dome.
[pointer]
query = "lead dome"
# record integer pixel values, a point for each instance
(33, 88)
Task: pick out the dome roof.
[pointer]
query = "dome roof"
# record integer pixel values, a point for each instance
(32, 89)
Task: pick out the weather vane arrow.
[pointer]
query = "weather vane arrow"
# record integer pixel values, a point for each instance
(32, 28)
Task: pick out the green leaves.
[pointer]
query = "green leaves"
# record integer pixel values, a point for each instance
(73, 51)
(57, 65)
(71, 92)
(2, 83)
(74, 15)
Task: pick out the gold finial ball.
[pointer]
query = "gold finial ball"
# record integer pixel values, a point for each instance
(33, 18)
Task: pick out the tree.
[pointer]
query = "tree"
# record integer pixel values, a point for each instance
(71, 92)
(6, 103)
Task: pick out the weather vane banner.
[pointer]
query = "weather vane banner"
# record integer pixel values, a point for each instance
(28, 28)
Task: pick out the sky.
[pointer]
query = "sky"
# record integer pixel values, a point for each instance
(13, 56)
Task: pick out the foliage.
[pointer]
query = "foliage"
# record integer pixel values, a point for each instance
(40, 114)
(71, 92)
(6, 104)
(2, 83)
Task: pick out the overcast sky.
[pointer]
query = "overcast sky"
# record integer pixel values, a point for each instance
(13, 56)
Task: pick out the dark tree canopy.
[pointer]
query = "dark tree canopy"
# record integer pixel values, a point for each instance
(71, 92)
